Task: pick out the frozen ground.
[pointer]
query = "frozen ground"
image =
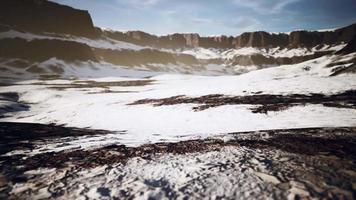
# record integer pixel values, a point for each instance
(66, 165)
(103, 103)
(284, 164)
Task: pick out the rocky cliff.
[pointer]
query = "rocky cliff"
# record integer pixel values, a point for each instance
(44, 49)
(250, 39)
(41, 16)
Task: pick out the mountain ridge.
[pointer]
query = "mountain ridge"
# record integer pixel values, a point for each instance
(298, 38)
(42, 16)
(48, 38)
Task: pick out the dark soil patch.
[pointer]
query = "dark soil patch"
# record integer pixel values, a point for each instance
(13, 104)
(266, 102)
(309, 145)
(310, 141)
(95, 84)
(9, 96)
(24, 135)
(344, 70)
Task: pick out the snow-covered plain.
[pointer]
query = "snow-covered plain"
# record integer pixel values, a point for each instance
(107, 107)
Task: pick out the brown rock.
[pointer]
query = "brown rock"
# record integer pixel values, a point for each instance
(43, 16)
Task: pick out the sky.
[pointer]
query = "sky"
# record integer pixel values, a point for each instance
(217, 17)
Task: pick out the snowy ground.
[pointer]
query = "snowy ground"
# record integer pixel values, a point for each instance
(285, 164)
(104, 104)
(237, 171)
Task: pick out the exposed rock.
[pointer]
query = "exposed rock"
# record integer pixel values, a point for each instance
(344, 70)
(250, 39)
(261, 60)
(41, 50)
(145, 56)
(261, 39)
(267, 102)
(192, 39)
(349, 48)
(44, 16)
(172, 41)
(139, 37)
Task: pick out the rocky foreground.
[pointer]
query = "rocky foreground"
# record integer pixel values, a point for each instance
(288, 164)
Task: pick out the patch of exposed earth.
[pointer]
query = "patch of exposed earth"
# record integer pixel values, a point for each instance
(276, 164)
(9, 102)
(267, 102)
(92, 84)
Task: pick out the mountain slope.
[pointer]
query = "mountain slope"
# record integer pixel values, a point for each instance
(42, 16)
(68, 35)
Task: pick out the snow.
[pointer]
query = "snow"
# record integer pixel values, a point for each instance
(211, 53)
(80, 107)
(203, 53)
(82, 69)
(197, 175)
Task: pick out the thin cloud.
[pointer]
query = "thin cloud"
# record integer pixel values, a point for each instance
(246, 24)
(264, 6)
(142, 3)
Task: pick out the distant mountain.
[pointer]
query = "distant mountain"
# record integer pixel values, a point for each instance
(32, 32)
(42, 16)
(260, 39)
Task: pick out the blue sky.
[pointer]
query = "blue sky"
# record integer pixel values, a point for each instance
(216, 17)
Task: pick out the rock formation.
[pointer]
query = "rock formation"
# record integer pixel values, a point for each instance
(249, 39)
(41, 16)
(41, 50)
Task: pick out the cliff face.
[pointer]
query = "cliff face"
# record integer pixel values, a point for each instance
(250, 39)
(43, 16)
(261, 39)
(127, 57)
(296, 38)
(309, 39)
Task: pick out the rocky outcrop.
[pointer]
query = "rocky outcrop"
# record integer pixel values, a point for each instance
(250, 39)
(296, 38)
(220, 42)
(349, 48)
(261, 60)
(41, 16)
(41, 50)
(310, 39)
(145, 39)
(173, 41)
(192, 39)
(127, 57)
(261, 39)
